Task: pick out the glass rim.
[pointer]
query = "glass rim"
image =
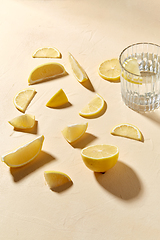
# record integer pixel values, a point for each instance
(134, 44)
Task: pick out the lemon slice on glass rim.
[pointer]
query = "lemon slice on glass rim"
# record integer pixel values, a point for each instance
(131, 72)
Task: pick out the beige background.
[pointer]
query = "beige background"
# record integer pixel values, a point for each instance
(121, 204)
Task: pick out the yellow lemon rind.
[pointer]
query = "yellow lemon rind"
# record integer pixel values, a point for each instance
(138, 138)
(37, 52)
(102, 164)
(3, 158)
(51, 178)
(12, 122)
(44, 79)
(58, 99)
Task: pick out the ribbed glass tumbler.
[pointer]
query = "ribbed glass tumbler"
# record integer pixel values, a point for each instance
(141, 92)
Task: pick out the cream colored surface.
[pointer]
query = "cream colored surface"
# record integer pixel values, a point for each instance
(121, 204)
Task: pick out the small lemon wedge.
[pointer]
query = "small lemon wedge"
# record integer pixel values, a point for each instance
(56, 179)
(23, 98)
(58, 99)
(23, 122)
(78, 71)
(24, 154)
(127, 130)
(46, 71)
(110, 70)
(47, 52)
(94, 107)
(73, 132)
(100, 157)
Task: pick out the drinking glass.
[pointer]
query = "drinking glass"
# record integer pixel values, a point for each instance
(141, 92)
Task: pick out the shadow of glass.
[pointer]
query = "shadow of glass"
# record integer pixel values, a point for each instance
(87, 84)
(33, 130)
(99, 114)
(120, 181)
(86, 139)
(154, 116)
(62, 188)
(21, 172)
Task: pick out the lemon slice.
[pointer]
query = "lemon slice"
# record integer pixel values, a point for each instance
(110, 70)
(47, 52)
(127, 130)
(46, 71)
(93, 108)
(23, 122)
(73, 132)
(23, 98)
(101, 157)
(24, 154)
(78, 71)
(132, 66)
(56, 179)
(58, 99)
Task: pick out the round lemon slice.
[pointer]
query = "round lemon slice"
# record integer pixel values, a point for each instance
(93, 108)
(127, 130)
(73, 132)
(23, 98)
(58, 99)
(46, 71)
(56, 179)
(101, 157)
(24, 154)
(110, 70)
(78, 71)
(23, 122)
(47, 52)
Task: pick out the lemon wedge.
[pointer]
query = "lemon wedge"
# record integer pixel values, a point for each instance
(24, 154)
(127, 130)
(78, 71)
(110, 70)
(56, 179)
(23, 98)
(23, 122)
(47, 52)
(73, 132)
(101, 157)
(46, 71)
(58, 99)
(94, 107)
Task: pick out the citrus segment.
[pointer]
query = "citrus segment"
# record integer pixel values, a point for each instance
(110, 70)
(127, 130)
(47, 52)
(101, 157)
(46, 72)
(78, 71)
(56, 179)
(73, 132)
(23, 122)
(24, 154)
(23, 98)
(93, 108)
(58, 99)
